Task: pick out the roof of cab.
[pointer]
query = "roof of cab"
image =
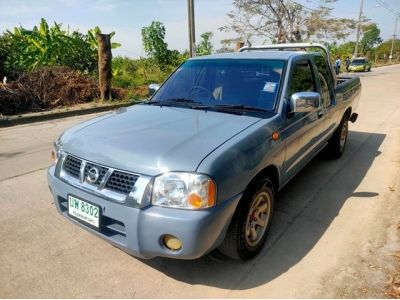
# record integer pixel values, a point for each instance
(255, 54)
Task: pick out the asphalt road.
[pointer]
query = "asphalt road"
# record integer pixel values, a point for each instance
(335, 228)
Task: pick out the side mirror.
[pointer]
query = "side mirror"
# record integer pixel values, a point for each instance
(153, 87)
(304, 102)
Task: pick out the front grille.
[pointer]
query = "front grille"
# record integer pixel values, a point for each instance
(72, 166)
(102, 172)
(121, 182)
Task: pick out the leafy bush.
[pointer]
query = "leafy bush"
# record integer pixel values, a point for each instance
(133, 73)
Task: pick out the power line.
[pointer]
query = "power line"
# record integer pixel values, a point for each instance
(397, 14)
(387, 6)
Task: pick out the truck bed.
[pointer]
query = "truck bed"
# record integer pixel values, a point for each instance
(347, 88)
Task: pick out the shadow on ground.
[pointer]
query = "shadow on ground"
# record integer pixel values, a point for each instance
(9, 155)
(305, 209)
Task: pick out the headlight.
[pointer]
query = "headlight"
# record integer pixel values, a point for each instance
(55, 152)
(184, 190)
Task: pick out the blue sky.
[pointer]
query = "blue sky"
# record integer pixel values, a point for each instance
(127, 18)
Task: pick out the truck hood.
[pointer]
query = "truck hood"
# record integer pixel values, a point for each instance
(151, 139)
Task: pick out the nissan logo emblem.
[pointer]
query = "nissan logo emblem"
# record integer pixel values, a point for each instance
(92, 175)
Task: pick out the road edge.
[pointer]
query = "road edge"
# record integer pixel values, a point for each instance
(51, 115)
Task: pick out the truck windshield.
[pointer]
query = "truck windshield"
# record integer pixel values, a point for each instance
(239, 83)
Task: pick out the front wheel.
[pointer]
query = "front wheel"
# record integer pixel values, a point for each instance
(337, 143)
(250, 224)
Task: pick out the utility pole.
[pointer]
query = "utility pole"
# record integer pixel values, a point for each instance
(358, 28)
(394, 37)
(191, 27)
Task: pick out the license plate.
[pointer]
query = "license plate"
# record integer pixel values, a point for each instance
(84, 211)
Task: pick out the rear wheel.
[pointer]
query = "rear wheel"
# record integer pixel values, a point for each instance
(337, 143)
(250, 224)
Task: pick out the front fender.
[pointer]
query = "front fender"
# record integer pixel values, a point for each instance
(239, 160)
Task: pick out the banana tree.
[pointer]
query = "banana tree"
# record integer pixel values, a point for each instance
(46, 45)
(92, 33)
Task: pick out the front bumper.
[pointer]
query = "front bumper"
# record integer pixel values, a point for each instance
(357, 69)
(140, 231)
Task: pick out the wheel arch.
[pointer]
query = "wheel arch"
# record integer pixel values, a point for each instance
(272, 172)
(347, 113)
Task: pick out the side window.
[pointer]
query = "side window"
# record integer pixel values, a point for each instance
(302, 78)
(325, 77)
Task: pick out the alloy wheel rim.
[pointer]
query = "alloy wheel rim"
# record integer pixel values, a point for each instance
(258, 219)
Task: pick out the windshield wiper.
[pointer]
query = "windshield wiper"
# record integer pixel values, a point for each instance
(241, 107)
(180, 101)
(171, 101)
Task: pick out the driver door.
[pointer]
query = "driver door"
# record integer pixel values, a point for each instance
(302, 130)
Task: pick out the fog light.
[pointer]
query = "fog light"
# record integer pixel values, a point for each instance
(172, 242)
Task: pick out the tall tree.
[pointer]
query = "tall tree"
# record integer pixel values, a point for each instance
(205, 46)
(371, 37)
(283, 21)
(153, 42)
(383, 50)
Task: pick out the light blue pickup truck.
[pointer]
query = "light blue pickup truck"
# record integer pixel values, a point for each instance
(198, 166)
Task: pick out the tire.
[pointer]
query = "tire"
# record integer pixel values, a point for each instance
(338, 141)
(246, 236)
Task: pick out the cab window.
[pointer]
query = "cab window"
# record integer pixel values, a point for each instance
(302, 78)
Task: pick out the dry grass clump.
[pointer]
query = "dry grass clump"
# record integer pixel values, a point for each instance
(48, 88)
(393, 287)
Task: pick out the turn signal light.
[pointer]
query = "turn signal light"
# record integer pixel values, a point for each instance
(211, 193)
(53, 155)
(195, 200)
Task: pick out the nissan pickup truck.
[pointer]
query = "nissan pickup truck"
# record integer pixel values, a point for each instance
(198, 166)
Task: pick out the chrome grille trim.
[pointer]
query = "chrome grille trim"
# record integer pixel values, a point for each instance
(137, 197)
(105, 179)
(102, 172)
(82, 171)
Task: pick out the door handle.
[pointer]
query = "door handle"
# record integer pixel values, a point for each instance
(320, 114)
